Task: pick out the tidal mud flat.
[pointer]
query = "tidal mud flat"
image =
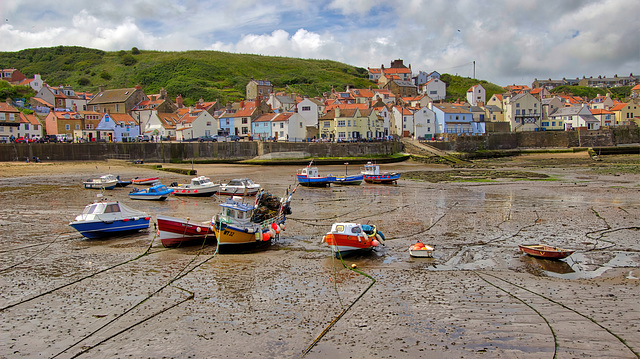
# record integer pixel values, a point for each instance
(65, 296)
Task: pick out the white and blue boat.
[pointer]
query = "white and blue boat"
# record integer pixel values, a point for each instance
(310, 177)
(157, 192)
(105, 218)
(104, 182)
(348, 180)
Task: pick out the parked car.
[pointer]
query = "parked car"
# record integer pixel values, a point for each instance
(235, 138)
(20, 139)
(207, 139)
(48, 139)
(142, 138)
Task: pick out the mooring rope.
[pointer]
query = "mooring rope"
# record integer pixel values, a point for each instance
(32, 256)
(41, 244)
(345, 310)
(637, 354)
(183, 272)
(146, 252)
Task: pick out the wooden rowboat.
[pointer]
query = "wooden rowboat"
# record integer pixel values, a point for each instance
(543, 251)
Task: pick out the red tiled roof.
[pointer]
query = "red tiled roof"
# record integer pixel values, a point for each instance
(618, 106)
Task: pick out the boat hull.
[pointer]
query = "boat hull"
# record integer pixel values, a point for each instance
(382, 179)
(101, 229)
(238, 191)
(198, 192)
(423, 252)
(176, 231)
(348, 180)
(315, 181)
(149, 197)
(547, 252)
(100, 185)
(346, 245)
(145, 181)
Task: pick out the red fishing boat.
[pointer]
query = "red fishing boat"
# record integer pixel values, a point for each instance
(543, 251)
(350, 238)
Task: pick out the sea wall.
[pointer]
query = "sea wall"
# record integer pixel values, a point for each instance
(167, 152)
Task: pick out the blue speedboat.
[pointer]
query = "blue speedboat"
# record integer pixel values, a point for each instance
(105, 218)
(348, 180)
(309, 177)
(157, 192)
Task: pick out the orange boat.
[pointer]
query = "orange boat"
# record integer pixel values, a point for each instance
(543, 251)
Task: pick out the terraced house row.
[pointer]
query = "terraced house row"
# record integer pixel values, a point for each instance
(399, 105)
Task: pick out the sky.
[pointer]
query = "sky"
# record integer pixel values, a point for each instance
(509, 41)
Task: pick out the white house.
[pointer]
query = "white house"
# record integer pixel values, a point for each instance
(196, 123)
(576, 117)
(523, 112)
(117, 127)
(280, 126)
(424, 123)
(29, 126)
(35, 83)
(403, 122)
(435, 89)
(476, 95)
(62, 97)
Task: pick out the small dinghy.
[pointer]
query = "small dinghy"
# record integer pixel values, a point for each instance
(421, 250)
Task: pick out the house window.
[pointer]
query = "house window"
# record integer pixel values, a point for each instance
(26, 126)
(117, 107)
(327, 124)
(306, 108)
(341, 135)
(227, 122)
(517, 112)
(67, 127)
(457, 117)
(281, 124)
(341, 123)
(517, 105)
(77, 126)
(208, 123)
(349, 123)
(245, 120)
(300, 124)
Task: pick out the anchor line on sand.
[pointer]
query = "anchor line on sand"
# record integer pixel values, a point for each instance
(553, 333)
(637, 354)
(43, 244)
(146, 252)
(344, 310)
(47, 245)
(181, 274)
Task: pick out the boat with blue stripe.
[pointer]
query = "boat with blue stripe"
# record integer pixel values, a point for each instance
(105, 218)
(310, 177)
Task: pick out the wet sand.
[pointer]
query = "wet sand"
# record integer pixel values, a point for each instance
(478, 297)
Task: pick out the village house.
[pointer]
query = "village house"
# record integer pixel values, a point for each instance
(149, 115)
(402, 122)
(310, 109)
(522, 111)
(195, 123)
(281, 102)
(549, 106)
(635, 92)
(280, 126)
(63, 123)
(493, 113)
(12, 76)
(258, 88)
(434, 88)
(30, 126)
(383, 95)
(35, 83)
(261, 126)
(424, 123)
(606, 117)
(90, 123)
(384, 117)
(117, 127)
(9, 122)
(62, 98)
(117, 100)
(626, 113)
(605, 82)
(401, 88)
(575, 117)
(476, 95)
(601, 102)
(455, 120)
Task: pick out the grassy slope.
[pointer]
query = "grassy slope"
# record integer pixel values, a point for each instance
(212, 75)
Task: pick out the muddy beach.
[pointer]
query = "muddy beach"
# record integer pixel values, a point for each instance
(128, 297)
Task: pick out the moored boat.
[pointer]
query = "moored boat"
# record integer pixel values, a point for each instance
(105, 218)
(351, 238)
(421, 250)
(145, 181)
(157, 192)
(346, 179)
(101, 183)
(198, 187)
(544, 251)
(176, 231)
(239, 187)
(371, 174)
(119, 182)
(310, 177)
(240, 226)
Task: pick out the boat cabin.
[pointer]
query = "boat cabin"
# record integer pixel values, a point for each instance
(101, 207)
(200, 181)
(371, 169)
(348, 229)
(241, 182)
(235, 212)
(309, 172)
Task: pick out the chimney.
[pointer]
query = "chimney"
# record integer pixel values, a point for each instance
(242, 104)
(179, 101)
(138, 87)
(337, 112)
(75, 107)
(101, 88)
(201, 100)
(163, 93)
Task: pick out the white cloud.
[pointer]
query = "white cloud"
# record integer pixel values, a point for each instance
(510, 41)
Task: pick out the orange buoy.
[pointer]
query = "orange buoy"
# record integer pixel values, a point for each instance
(266, 236)
(375, 243)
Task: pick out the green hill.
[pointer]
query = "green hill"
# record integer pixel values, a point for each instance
(457, 87)
(212, 75)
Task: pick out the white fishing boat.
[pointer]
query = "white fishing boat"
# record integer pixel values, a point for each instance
(198, 187)
(239, 187)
